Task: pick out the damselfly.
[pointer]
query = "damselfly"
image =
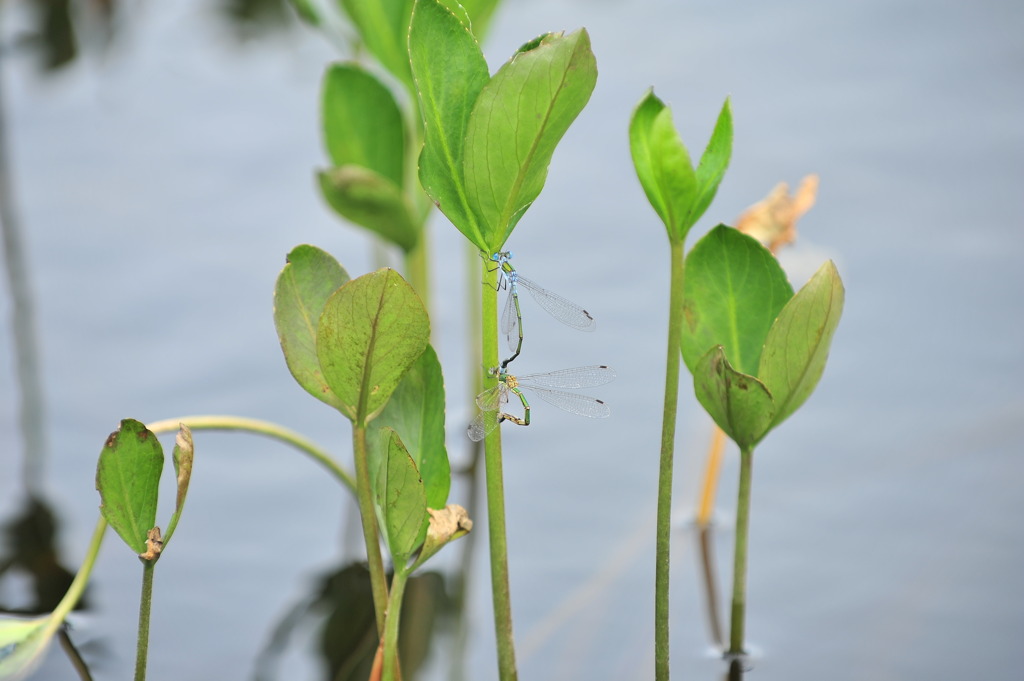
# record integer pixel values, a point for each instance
(563, 310)
(494, 399)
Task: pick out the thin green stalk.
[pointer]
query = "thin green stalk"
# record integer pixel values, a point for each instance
(378, 579)
(259, 427)
(668, 434)
(417, 266)
(739, 574)
(77, 588)
(500, 591)
(145, 605)
(391, 672)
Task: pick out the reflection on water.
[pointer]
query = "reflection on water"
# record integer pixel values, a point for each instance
(30, 546)
(342, 605)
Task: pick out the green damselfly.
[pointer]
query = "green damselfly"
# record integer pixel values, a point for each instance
(565, 311)
(494, 399)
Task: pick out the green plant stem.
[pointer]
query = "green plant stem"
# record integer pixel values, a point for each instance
(739, 574)
(259, 427)
(500, 591)
(145, 605)
(668, 434)
(77, 588)
(391, 625)
(378, 579)
(417, 267)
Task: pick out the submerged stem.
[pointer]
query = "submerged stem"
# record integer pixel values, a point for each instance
(739, 575)
(145, 604)
(668, 433)
(500, 590)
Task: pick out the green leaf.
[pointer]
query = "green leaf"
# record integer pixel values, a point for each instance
(23, 643)
(662, 164)
(713, 164)
(400, 500)
(739, 403)
(371, 331)
(370, 200)
(307, 11)
(383, 25)
(679, 194)
(416, 411)
(128, 477)
(182, 457)
(479, 13)
(733, 291)
(449, 72)
(518, 120)
(797, 346)
(362, 123)
(302, 290)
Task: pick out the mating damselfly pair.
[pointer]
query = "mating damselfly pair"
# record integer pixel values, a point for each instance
(546, 385)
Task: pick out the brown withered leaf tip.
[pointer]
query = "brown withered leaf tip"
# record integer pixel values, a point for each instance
(772, 221)
(447, 521)
(154, 545)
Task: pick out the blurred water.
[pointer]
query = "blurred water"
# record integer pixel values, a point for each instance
(162, 185)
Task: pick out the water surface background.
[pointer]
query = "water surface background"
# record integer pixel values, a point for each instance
(161, 184)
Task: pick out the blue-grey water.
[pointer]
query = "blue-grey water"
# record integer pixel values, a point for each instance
(161, 184)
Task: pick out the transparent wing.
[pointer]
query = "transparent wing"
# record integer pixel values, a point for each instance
(479, 428)
(575, 404)
(493, 399)
(565, 311)
(510, 322)
(489, 400)
(578, 377)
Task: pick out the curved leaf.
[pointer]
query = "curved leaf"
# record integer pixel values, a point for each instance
(370, 200)
(362, 124)
(518, 120)
(400, 500)
(449, 71)
(733, 291)
(127, 478)
(713, 163)
(739, 403)
(416, 412)
(183, 455)
(371, 331)
(23, 643)
(383, 25)
(303, 287)
(797, 346)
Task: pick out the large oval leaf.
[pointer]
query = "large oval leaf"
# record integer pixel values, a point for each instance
(400, 500)
(797, 346)
(362, 123)
(371, 331)
(518, 120)
(416, 412)
(128, 478)
(733, 291)
(449, 72)
(739, 403)
(303, 287)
